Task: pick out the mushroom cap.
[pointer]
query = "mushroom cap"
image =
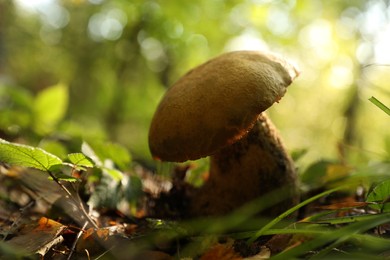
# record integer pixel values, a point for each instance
(217, 103)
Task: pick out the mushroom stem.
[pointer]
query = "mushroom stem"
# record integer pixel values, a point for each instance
(252, 167)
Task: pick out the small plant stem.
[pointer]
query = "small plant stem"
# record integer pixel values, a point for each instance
(77, 240)
(77, 202)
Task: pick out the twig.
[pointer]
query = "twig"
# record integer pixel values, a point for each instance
(375, 64)
(77, 202)
(17, 219)
(77, 240)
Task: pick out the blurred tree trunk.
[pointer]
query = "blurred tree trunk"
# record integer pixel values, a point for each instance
(7, 15)
(3, 13)
(351, 113)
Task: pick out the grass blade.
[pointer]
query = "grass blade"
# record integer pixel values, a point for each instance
(336, 237)
(379, 104)
(265, 228)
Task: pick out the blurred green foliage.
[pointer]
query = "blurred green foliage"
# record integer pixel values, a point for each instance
(96, 69)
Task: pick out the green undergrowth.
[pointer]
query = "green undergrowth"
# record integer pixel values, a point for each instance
(344, 211)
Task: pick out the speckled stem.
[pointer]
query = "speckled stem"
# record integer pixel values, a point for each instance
(250, 168)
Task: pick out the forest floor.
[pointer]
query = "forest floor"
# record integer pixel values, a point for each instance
(38, 220)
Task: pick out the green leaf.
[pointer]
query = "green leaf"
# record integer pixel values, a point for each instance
(380, 105)
(16, 97)
(107, 192)
(298, 154)
(101, 161)
(132, 188)
(112, 151)
(118, 154)
(15, 109)
(55, 147)
(88, 151)
(380, 194)
(27, 156)
(115, 174)
(315, 174)
(50, 107)
(80, 159)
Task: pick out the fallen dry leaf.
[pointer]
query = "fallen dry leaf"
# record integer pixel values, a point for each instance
(39, 238)
(221, 251)
(344, 204)
(265, 253)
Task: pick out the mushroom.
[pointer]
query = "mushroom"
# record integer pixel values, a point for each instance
(217, 110)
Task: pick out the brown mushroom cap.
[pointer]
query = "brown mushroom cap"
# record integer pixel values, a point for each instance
(217, 103)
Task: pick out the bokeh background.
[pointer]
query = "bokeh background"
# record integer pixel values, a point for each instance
(111, 62)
